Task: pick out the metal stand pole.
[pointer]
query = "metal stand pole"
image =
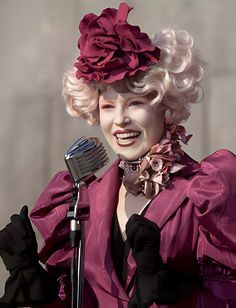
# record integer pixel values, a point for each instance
(80, 267)
(78, 217)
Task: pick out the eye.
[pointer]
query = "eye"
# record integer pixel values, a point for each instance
(106, 106)
(135, 103)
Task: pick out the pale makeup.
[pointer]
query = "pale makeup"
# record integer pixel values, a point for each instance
(129, 123)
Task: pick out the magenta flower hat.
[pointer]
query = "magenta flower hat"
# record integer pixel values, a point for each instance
(111, 48)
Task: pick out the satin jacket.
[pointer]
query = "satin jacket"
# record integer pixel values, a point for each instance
(196, 213)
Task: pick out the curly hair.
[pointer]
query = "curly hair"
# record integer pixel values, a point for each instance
(174, 81)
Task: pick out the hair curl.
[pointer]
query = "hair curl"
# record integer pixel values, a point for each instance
(173, 81)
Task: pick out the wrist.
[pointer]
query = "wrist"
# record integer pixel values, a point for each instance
(24, 264)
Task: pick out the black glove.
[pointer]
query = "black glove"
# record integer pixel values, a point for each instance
(155, 282)
(29, 284)
(143, 236)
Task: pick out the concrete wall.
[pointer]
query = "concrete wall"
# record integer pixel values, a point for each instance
(38, 42)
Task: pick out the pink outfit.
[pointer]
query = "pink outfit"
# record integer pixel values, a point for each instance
(197, 217)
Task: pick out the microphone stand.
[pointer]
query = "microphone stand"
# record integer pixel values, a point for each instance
(78, 215)
(83, 159)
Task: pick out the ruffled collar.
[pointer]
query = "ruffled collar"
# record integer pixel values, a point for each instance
(152, 173)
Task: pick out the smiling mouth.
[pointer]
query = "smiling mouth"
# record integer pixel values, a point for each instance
(127, 139)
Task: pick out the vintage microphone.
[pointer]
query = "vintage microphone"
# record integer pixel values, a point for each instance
(83, 159)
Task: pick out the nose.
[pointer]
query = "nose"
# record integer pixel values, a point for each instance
(122, 117)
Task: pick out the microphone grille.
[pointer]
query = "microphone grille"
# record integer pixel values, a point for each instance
(85, 157)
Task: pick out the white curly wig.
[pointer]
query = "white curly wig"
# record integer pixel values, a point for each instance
(173, 81)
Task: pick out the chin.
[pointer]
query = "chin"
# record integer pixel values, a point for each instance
(132, 152)
(127, 157)
(131, 156)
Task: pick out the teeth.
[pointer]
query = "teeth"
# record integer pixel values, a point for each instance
(127, 135)
(126, 138)
(124, 141)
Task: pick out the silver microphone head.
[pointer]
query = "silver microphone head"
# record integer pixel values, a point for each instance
(85, 157)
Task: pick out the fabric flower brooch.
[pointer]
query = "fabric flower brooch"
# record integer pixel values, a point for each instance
(152, 173)
(111, 48)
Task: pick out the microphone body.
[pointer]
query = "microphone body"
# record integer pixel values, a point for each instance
(83, 159)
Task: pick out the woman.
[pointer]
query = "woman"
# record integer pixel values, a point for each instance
(161, 231)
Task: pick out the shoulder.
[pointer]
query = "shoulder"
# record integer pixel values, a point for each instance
(214, 183)
(58, 190)
(222, 162)
(212, 191)
(51, 207)
(52, 204)
(49, 215)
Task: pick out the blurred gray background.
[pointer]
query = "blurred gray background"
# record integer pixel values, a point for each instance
(39, 41)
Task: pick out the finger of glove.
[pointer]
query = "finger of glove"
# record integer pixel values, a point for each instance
(146, 222)
(131, 233)
(134, 218)
(11, 235)
(133, 225)
(30, 239)
(150, 225)
(25, 218)
(5, 242)
(145, 239)
(141, 239)
(16, 242)
(141, 221)
(18, 224)
(139, 229)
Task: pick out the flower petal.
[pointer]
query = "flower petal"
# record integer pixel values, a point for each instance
(83, 26)
(148, 189)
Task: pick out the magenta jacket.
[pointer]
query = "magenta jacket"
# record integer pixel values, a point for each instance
(197, 217)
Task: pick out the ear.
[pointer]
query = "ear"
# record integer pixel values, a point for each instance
(168, 116)
(93, 118)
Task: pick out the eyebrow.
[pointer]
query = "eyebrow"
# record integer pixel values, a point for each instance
(127, 100)
(103, 100)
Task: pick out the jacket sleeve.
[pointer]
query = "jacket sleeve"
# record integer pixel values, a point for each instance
(213, 193)
(49, 216)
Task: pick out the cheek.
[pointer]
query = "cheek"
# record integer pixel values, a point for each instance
(153, 126)
(150, 120)
(106, 128)
(104, 121)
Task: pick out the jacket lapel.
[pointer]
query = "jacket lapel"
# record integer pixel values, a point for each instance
(103, 197)
(168, 201)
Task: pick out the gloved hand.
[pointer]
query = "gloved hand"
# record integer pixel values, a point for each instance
(155, 282)
(143, 236)
(144, 239)
(29, 284)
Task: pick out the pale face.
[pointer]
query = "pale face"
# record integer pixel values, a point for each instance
(129, 123)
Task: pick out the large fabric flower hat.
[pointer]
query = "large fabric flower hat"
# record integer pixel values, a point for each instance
(111, 48)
